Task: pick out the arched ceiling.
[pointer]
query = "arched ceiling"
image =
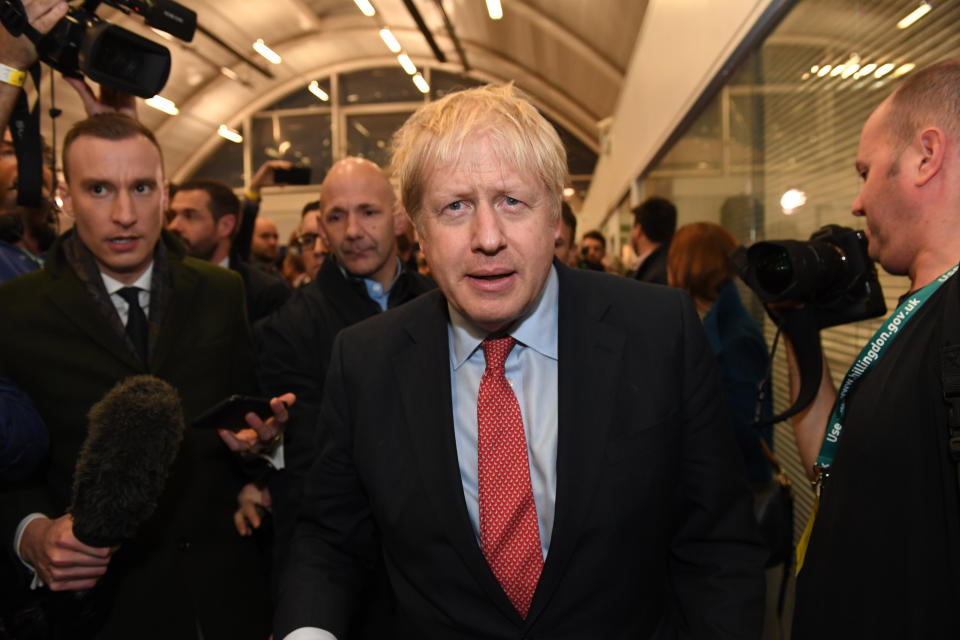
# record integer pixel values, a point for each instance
(570, 56)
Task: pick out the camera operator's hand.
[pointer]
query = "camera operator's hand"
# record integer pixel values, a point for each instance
(20, 53)
(264, 175)
(109, 101)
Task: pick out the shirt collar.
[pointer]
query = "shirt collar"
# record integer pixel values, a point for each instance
(536, 330)
(376, 290)
(113, 285)
(370, 284)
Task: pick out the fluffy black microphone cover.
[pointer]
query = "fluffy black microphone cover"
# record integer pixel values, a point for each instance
(135, 432)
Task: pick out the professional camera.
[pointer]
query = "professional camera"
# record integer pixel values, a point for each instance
(834, 281)
(832, 272)
(110, 55)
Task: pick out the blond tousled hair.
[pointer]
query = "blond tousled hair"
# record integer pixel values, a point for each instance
(435, 135)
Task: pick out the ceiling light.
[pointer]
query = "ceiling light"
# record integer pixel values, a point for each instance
(849, 71)
(815, 68)
(230, 134)
(390, 40)
(837, 70)
(362, 130)
(494, 9)
(365, 7)
(914, 15)
(284, 146)
(792, 200)
(824, 70)
(407, 63)
(883, 70)
(230, 73)
(162, 104)
(421, 83)
(903, 69)
(866, 70)
(568, 192)
(266, 51)
(314, 88)
(805, 76)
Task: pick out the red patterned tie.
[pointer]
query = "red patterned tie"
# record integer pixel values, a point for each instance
(509, 535)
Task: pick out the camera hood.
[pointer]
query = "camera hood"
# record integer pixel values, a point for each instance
(123, 60)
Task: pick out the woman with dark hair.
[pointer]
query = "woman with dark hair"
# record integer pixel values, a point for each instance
(698, 264)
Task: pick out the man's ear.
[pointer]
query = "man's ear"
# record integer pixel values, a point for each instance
(63, 190)
(932, 143)
(225, 225)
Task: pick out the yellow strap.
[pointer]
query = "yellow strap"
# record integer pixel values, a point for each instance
(11, 76)
(805, 538)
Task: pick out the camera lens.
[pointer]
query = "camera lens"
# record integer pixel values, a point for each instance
(774, 269)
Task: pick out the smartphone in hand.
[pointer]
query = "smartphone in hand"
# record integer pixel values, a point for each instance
(297, 174)
(229, 413)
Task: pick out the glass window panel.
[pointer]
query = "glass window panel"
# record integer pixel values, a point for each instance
(701, 148)
(444, 82)
(224, 164)
(301, 98)
(368, 136)
(302, 139)
(369, 86)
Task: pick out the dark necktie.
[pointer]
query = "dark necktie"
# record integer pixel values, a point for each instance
(509, 534)
(136, 321)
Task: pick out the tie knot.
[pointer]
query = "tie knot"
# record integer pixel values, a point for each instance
(131, 295)
(495, 350)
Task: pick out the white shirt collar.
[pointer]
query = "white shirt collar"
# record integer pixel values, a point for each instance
(143, 282)
(537, 330)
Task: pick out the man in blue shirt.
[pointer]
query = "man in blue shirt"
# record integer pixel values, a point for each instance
(362, 276)
(485, 442)
(25, 232)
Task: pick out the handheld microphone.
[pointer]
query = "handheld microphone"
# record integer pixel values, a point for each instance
(135, 433)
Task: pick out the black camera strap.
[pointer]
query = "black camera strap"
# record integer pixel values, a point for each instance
(802, 328)
(25, 129)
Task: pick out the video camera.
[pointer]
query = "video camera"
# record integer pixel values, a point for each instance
(833, 281)
(110, 55)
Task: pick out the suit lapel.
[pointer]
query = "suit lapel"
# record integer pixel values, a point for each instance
(422, 371)
(589, 354)
(179, 312)
(70, 295)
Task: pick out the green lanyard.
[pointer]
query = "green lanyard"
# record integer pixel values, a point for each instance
(864, 362)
